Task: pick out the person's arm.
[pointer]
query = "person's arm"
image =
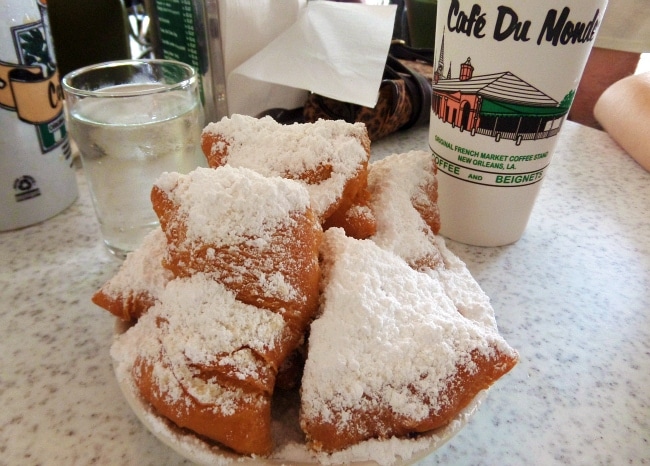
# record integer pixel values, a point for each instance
(604, 68)
(623, 110)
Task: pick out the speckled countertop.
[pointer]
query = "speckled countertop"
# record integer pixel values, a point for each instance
(573, 296)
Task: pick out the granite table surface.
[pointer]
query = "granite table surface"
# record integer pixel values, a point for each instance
(572, 296)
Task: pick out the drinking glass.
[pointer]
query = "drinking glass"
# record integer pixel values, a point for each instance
(131, 121)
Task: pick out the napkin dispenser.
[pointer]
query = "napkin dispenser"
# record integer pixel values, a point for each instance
(253, 55)
(216, 36)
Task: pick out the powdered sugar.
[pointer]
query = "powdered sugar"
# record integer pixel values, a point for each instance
(396, 183)
(204, 319)
(142, 270)
(465, 292)
(377, 307)
(272, 149)
(233, 205)
(198, 322)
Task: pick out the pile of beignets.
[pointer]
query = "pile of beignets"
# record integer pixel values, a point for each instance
(292, 261)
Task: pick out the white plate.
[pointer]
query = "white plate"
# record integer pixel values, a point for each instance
(290, 448)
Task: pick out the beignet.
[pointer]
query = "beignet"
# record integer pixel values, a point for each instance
(389, 354)
(329, 156)
(256, 235)
(207, 362)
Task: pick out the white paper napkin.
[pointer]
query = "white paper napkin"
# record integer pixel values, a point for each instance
(334, 49)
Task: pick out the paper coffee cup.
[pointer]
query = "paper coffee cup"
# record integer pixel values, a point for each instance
(505, 75)
(37, 176)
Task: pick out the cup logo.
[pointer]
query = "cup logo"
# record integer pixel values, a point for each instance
(557, 27)
(498, 105)
(25, 188)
